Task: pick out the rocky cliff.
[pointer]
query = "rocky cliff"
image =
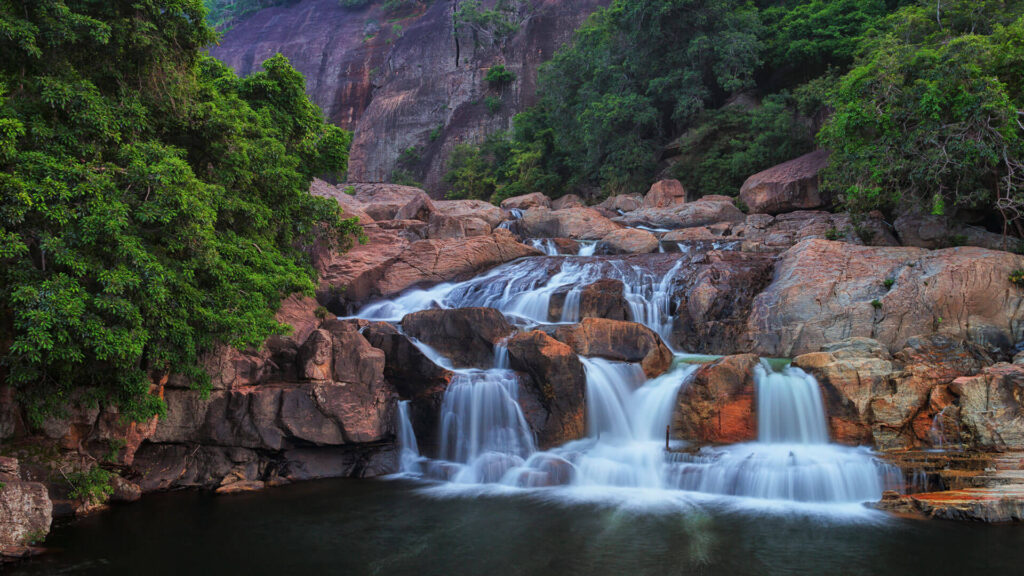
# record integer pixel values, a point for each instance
(408, 85)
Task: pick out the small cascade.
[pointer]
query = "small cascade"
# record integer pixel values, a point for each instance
(587, 248)
(792, 459)
(940, 436)
(409, 450)
(545, 245)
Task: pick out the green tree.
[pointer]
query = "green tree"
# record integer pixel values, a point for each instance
(152, 204)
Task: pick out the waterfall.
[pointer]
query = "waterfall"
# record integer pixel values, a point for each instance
(409, 450)
(545, 245)
(792, 459)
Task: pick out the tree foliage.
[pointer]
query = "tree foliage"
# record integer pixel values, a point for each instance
(153, 203)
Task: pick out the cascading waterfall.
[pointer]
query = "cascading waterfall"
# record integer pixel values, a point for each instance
(792, 459)
(545, 245)
(409, 450)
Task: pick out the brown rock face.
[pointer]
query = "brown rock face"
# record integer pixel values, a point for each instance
(992, 407)
(349, 205)
(664, 194)
(25, 512)
(552, 397)
(790, 186)
(707, 210)
(477, 209)
(618, 340)
(526, 201)
(388, 264)
(622, 203)
(406, 367)
(465, 335)
(927, 231)
(718, 404)
(824, 291)
(628, 241)
(392, 202)
(604, 299)
(577, 223)
(567, 201)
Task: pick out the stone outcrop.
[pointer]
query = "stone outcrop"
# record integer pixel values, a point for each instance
(578, 223)
(622, 203)
(825, 291)
(467, 336)
(345, 197)
(554, 382)
(628, 241)
(665, 194)
(567, 201)
(618, 340)
(25, 511)
(927, 231)
(718, 404)
(793, 185)
(526, 201)
(991, 407)
(389, 264)
(602, 299)
(706, 210)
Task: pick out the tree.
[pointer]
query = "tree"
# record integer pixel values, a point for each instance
(153, 203)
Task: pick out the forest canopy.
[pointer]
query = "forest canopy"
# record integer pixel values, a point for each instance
(153, 203)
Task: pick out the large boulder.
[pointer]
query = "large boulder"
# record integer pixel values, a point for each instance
(916, 228)
(464, 209)
(552, 397)
(388, 265)
(618, 340)
(793, 185)
(526, 201)
(25, 510)
(467, 336)
(385, 201)
(992, 407)
(706, 210)
(628, 241)
(345, 197)
(664, 194)
(718, 404)
(578, 223)
(825, 291)
(406, 367)
(622, 203)
(568, 201)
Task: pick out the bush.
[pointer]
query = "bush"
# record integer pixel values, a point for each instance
(92, 485)
(498, 76)
(1017, 277)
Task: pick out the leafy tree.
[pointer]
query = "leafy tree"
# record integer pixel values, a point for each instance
(932, 115)
(152, 204)
(223, 13)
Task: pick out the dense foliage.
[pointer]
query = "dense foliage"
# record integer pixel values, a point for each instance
(153, 203)
(222, 13)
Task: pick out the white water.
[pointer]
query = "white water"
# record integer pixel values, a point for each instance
(409, 450)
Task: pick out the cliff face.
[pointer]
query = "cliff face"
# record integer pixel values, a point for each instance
(407, 83)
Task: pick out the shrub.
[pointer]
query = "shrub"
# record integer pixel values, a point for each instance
(91, 486)
(876, 304)
(498, 76)
(1017, 277)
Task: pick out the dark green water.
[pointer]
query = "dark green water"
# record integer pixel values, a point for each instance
(357, 527)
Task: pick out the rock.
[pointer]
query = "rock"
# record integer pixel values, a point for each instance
(718, 403)
(576, 223)
(471, 209)
(628, 241)
(412, 373)
(618, 340)
(387, 201)
(552, 397)
(241, 487)
(124, 490)
(526, 201)
(389, 265)
(25, 513)
(664, 194)
(568, 201)
(765, 233)
(622, 203)
(604, 299)
(349, 205)
(706, 210)
(715, 299)
(992, 407)
(354, 359)
(793, 185)
(826, 291)
(915, 228)
(465, 335)
(994, 504)
(420, 207)
(315, 355)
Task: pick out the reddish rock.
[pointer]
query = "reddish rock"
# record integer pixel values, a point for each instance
(628, 241)
(25, 513)
(465, 335)
(706, 210)
(411, 372)
(476, 209)
(351, 208)
(315, 356)
(552, 397)
(622, 203)
(825, 291)
(718, 405)
(618, 340)
(567, 201)
(992, 407)
(526, 201)
(577, 223)
(793, 185)
(602, 299)
(915, 228)
(664, 194)
(391, 201)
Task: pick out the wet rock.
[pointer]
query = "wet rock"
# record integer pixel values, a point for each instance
(664, 194)
(604, 299)
(718, 403)
(567, 201)
(552, 395)
(411, 372)
(526, 201)
(793, 185)
(465, 335)
(577, 223)
(628, 241)
(706, 210)
(826, 291)
(618, 340)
